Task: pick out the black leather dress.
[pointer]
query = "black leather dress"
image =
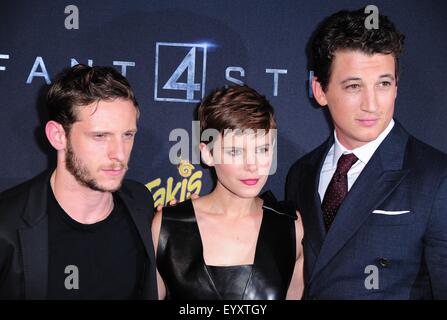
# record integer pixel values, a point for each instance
(182, 266)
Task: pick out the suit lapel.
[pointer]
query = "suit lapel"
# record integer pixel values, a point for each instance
(35, 259)
(311, 203)
(144, 231)
(140, 221)
(379, 178)
(34, 239)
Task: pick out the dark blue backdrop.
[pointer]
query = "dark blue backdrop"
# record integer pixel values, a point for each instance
(250, 35)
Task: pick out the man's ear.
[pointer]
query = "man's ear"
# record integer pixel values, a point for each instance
(56, 135)
(318, 92)
(207, 156)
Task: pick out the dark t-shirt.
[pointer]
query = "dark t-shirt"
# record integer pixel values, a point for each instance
(104, 260)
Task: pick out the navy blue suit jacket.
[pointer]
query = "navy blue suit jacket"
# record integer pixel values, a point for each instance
(406, 253)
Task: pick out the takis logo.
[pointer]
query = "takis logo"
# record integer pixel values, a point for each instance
(190, 183)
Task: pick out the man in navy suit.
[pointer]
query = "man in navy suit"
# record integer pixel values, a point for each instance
(373, 198)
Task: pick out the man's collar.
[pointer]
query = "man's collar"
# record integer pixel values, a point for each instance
(363, 153)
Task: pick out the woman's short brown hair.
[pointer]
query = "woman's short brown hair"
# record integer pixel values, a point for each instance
(236, 107)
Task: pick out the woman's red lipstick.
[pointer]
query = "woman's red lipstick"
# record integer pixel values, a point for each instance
(250, 182)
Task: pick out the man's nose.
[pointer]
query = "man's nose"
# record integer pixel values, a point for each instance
(369, 101)
(117, 149)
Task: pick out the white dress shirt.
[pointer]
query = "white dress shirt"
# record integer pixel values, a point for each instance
(363, 153)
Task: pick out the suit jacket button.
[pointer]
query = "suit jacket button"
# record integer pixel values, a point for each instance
(384, 262)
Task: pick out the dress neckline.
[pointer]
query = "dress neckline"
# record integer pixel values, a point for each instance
(202, 259)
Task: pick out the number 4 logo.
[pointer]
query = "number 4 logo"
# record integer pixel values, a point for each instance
(174, 86)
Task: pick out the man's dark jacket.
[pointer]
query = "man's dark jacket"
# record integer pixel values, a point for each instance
(24, 237)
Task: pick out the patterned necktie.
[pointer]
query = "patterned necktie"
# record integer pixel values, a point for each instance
(337, 188)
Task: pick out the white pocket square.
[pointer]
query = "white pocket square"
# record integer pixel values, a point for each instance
(391, 213)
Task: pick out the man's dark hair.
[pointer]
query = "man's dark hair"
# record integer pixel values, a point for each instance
(345, 30)
(82, 85)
